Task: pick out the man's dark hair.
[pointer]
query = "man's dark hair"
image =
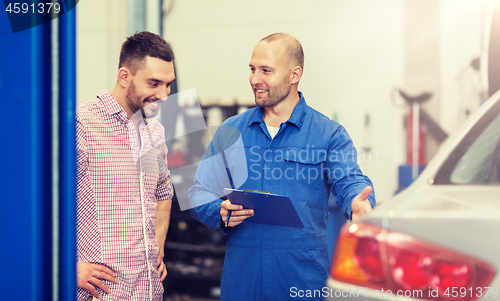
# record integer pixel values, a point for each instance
(143, 44)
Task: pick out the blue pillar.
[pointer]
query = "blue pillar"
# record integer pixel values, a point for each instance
(25, 162)
(27, 186)
(67, 156)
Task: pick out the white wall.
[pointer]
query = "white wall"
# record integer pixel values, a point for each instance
(465, 33)
(102, 26)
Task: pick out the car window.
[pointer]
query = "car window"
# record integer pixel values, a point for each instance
(481, 162)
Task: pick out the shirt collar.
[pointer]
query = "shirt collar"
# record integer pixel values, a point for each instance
(297, 117)
(110, 104)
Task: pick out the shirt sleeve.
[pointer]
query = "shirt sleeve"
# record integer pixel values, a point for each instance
(207, 192)
(346, 185)
(164, 190)
(223, 166)
(87, 234)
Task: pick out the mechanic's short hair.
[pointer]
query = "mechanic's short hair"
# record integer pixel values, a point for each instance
(295, 54)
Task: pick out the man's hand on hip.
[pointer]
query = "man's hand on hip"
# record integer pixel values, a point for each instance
(89, 277)
(360, 204)
(162, 269)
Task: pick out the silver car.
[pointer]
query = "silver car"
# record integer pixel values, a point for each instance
(440, 238)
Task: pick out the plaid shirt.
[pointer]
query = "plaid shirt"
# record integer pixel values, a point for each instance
(119, 182)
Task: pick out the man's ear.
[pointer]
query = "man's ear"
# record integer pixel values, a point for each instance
(124, 77)
(296, 74)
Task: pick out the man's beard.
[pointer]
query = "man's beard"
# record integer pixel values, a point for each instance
(275, 95)
(136, 104)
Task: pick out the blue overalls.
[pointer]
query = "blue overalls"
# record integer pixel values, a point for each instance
(308, 158)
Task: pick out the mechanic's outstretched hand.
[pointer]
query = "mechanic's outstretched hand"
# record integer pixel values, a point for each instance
(360, 204)
(89, 277)
(238, 214)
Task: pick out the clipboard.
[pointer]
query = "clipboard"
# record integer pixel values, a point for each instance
(269, 209)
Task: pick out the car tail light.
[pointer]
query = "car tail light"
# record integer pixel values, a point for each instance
(373, 257)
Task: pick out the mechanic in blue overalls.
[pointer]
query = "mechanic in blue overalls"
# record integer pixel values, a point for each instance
(284, 147)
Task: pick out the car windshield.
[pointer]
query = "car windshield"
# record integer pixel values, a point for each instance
(479, 164)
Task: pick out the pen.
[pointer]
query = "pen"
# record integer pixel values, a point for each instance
(228, 217)
(229, 177)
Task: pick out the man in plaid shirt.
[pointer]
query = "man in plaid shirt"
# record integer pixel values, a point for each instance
(124, 188)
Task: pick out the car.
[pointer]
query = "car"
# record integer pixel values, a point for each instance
(440, 238)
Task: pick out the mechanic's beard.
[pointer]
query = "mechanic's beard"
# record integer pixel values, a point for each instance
(275, 95)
